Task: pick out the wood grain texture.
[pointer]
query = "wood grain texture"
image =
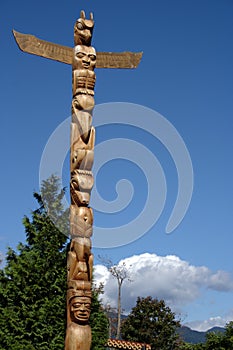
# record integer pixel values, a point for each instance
(33, 45)
(118, 59)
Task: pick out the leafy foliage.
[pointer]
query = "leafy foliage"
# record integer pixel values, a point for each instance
(99, 322)
(33, 282)
(151, 322)
(187, 346)
(220, 341)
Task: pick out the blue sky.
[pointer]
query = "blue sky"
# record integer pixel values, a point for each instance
(186, 75)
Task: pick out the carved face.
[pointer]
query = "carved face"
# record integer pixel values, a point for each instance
(84, 57)
(80, 308)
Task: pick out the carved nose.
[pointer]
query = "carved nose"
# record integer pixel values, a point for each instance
(85, 198)
(86, 60)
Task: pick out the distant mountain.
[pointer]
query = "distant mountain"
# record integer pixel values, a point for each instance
(216, 330)
(187, 334)
(191, 336)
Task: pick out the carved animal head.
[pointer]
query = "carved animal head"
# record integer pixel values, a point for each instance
(83, 102)
(83, 30)
(81, 184)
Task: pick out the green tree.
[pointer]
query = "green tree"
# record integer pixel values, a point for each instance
(99, 321)
(214, 341)
(33, 281)
(228, 336)
(151, 322)
(187, 346)
(219, 340)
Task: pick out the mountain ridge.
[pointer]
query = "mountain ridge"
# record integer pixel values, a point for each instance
(194, 337)
(186, 333)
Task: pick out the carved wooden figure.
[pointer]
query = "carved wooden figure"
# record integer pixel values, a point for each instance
(83, 59)
(78, 334)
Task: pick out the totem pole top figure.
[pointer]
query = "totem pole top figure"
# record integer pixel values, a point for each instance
(83, 29)
(82, 36)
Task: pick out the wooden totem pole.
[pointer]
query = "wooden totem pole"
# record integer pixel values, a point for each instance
(83, 59)
(80, 258)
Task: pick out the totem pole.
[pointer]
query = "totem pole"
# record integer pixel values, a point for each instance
(80, 258)
(83, 59)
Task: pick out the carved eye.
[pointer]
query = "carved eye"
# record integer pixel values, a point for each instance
(92, 57)
(77, 305)
(75, 185)
(80, 54)
(80, 26)
(76, 104)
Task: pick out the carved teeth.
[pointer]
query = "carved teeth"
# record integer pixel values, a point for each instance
(84, 172)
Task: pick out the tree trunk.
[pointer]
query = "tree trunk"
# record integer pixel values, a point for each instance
(119, 311)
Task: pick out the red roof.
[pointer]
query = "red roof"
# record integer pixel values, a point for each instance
(123, 344)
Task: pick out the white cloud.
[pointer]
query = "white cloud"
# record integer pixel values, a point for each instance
(220, 281)
(168, 278)
(219, 321)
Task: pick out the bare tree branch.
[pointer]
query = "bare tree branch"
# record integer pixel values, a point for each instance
(121, 272)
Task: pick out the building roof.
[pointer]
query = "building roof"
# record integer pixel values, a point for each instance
(123, 344)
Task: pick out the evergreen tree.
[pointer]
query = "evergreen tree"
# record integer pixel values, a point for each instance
(151, 322)
(99, 321)
(33, 281)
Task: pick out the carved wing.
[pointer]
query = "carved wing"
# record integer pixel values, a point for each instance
(31, 44)
(118, 59)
